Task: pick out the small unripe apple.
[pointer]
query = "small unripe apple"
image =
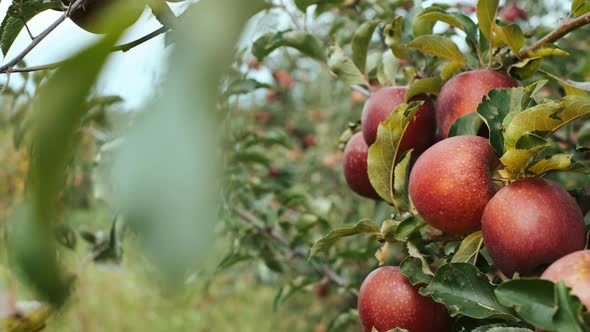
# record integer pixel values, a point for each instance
(531, 223)
(463, 93)
(283, 78)
(574, 270)
(452, 182)
(262, 117)
(387, 300)
(308, 141)
(355, 167)
(513, 13)
(87, 15)
(420, 132)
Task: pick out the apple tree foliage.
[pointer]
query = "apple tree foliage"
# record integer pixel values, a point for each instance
(281, 111)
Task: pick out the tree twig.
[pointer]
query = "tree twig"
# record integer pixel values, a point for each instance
(362, 90)
(556, 34)
(120, 48)
(275, 233)
(8, 66)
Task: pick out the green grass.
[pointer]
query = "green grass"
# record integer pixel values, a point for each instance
(127, 297)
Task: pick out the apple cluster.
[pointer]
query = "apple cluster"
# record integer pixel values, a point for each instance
(455, 186)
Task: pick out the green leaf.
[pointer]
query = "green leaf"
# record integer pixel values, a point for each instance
(531, 298)
(360, 43)
(387, 69)
(569, 313)
(438, 46)
(464, 290)
(486, 15)
(364, 226)
(414, 252)
(469, 27)
(512, 35)
(408, 227)
(495, 110)
(580, 7)
(58, 109)
(425, 21)
(469, 249)
(525, 68)
(384, 152)
(411, 267)
(400, 182)
(431, 85)
(244, 86)
(345, 69)
(500, 328)
(17, 15)
(468, 124)
(393, 38)
(302, 41)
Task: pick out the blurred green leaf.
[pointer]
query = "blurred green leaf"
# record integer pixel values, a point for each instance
(165, 173)
(302, 41)
(361, 41)
(430, 85)
(425, 20)
(580, 7)
(345, 69)
(364, 226)
(393, 38)
(439, 46)
(244, 86)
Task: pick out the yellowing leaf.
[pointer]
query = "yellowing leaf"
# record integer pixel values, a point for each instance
(384, 152)
(469, 249)
(442, 47)
(431, 85)
(558, 162)
(512, 35)
(486, 15)
(393, 38)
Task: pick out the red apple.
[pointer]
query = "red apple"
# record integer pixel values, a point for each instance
(420, 132)
(574, 270)
(531, 223)
(513, 13)
(451, 183)
(355, 167)
(462, 94)
(387, 300)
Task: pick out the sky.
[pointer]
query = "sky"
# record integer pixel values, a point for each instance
(133, 75)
